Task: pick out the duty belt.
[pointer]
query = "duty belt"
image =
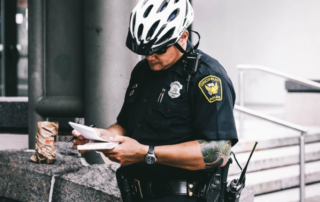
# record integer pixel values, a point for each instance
(155, 189)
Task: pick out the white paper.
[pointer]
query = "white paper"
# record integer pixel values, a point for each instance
(87, 132)
(98, 146)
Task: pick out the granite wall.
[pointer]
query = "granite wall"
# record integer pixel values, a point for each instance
(22, 180)
(68, 179)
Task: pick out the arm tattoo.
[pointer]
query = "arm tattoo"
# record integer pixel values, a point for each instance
(215, 152)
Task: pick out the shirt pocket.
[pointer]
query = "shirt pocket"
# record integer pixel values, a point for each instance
(132, 95)
(170, 113)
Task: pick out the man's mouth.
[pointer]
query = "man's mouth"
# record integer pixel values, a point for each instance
(152, 62)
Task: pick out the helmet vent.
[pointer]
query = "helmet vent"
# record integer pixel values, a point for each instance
(173, 15)
(152, 30)
(161, 29)
(134, 22)
(187, 9)
(163, 6)
(167, 36)
(146, 13)
(130, 18)
(140, 30)
(176, 1)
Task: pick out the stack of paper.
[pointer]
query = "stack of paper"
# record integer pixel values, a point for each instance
(90, 134)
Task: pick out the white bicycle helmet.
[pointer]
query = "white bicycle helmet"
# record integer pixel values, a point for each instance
(155, 25)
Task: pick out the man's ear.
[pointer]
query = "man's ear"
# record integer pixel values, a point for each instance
(183, 39)
(185, 36)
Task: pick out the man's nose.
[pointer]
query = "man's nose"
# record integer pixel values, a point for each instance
(150, 57)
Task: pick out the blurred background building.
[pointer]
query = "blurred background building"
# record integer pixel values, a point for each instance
(77, 67)
(283, 35)
(14, 48)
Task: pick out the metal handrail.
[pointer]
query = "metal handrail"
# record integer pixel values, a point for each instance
(297, 79)
(303, 130)
(271, 119)
(288, 125)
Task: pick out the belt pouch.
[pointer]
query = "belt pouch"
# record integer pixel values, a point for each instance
(124, 186)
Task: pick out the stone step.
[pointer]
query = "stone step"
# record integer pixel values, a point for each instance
(292, 195)
(274, 139)
(280, 178)
(273, 158)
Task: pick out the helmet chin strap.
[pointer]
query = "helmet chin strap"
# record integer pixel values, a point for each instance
(191, 60)
(192, 49)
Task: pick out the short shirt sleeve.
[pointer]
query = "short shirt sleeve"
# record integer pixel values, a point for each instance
(213, 101)
(122, 117)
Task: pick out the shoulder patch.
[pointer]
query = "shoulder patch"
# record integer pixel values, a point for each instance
(211, 87)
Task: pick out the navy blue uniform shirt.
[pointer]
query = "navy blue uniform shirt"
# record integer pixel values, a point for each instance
(158, 110)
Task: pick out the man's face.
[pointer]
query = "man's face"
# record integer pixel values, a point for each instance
(158, 62)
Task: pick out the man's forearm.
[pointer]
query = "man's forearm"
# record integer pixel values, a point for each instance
(112, 131)
(195, 155)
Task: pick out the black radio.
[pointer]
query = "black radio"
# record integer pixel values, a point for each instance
(191, 63)
(236, 186)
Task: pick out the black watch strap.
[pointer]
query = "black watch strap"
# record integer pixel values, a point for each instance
(151, 149)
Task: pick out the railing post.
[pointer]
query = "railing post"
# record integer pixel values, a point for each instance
(241, 100)
(302, 167)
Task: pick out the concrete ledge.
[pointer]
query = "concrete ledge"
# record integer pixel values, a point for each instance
(23, 180)
(14, 116)
(65, 180)
(292, 86)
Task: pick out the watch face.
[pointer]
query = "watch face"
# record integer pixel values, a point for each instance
(150, 159)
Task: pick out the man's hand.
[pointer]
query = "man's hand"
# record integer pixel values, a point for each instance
(128, 152)
(79, 141)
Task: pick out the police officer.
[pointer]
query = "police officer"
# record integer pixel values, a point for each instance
(172, 132)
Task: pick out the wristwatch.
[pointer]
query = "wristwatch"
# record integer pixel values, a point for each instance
(150, 157)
